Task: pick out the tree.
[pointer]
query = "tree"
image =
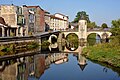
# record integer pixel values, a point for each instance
(79, 14)
(104, 25)
(116, 31)
(91, 25)
(115, 27)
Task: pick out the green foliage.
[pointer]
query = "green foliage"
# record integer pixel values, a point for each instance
(45, 45)
(32, 45)
(115, 27)
(104, 53)
(104, 25)
(91, 25)
(10, 49)
(79, 14)
(91, 39)
(72, 38)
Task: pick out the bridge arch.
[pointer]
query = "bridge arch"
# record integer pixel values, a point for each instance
(0, 32)
(72, 41)
(100, 33)
(94, 33)
(2, 65)
(68, 33)
(52, 37)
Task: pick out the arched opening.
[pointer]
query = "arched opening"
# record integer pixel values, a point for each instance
(93, 38)
(72, 41)
(52, 39)
(105, 37)
(63, 36)
(0, 32)
(2, 65)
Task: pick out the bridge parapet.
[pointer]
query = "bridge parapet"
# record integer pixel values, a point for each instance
(98, 29)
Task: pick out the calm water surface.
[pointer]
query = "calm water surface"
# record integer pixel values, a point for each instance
(56, 66)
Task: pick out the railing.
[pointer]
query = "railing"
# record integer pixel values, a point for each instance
(98, 29)
(6, 40)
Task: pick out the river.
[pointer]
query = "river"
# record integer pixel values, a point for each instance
(56, 63)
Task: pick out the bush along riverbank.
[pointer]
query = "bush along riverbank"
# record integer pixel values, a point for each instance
(10, 49)
(108, 53)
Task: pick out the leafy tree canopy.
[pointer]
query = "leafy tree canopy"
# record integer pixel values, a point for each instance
(78, 16)
(115, 27)
(104, 25)
(91, 25)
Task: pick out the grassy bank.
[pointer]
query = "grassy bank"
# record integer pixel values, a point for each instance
(108, 53)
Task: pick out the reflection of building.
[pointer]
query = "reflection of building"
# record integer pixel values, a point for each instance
(56, 58)
(65, 59)
(9, 73)
(30, 67)
(81, 61)
(39, 65)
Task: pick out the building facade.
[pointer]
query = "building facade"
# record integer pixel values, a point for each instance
(14, 19)
(57, 21)
(35, 21)
(3, 28)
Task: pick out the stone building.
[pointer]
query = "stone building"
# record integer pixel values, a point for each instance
(64, 23)
(14, 19)
(35, 21)
(47, 21)
(3, 28)
(57, 21)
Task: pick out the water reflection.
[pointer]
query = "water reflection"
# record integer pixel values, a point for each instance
(62, 65)
(82, 62)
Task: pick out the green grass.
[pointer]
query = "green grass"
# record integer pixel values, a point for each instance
(106, 53)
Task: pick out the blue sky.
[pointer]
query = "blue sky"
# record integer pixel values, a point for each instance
(99, 11)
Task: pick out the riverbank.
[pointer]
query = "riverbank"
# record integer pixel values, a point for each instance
(14, 48)
(106, 53)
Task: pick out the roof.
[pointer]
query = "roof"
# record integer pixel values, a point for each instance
(46, 12)
(61, 14)
(74, 24)
(82, 67)
(52, 16)
(82, 17)
(33, 7)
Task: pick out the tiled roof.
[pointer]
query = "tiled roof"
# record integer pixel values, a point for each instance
(61, 14)
(52, 16)
(34, 7)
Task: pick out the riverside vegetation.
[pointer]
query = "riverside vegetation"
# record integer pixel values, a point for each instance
(10, 49)
(106, 52)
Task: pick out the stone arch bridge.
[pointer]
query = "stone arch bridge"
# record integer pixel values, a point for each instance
(102, 33)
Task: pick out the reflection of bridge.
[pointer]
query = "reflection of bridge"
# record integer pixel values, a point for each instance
(78, 50)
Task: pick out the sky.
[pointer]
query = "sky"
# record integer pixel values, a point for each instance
(99, 11)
